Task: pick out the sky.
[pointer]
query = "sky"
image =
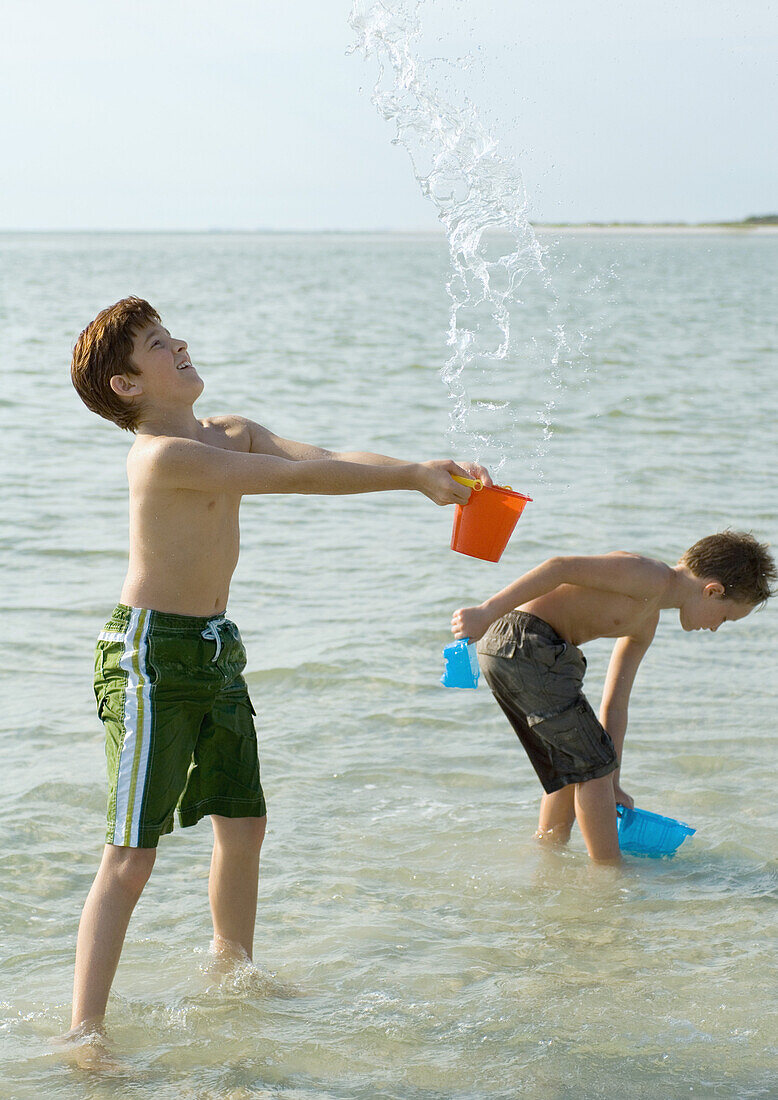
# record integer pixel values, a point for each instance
(250, 114)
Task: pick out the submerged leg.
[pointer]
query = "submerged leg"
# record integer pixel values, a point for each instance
(595, 808)
(557, 814)
(233, 882)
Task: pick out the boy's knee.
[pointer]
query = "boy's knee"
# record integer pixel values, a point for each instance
(129, 868)
(554, 831)
(557, 816)
(596, 812)
(600, 788)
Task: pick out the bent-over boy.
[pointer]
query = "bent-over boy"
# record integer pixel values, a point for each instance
(528, 637)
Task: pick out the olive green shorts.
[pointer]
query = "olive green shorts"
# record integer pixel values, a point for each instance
(179, 724)
(537, 678)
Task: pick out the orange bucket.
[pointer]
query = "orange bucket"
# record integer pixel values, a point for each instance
(483, 526)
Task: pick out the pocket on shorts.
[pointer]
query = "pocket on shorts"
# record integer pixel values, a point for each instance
(500, 640)
(574, 740)
(110, 680)
(547, 653)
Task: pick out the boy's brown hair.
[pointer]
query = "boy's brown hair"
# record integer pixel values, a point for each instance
(735, 559)
(102, 350)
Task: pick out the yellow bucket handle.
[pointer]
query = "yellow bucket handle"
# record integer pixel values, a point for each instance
(472, 483)
(477, 484)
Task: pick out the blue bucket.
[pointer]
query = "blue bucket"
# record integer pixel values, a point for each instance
(461, 669)
(645, 834)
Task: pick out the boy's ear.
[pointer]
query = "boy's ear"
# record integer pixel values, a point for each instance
(126, 385)
(714, 588)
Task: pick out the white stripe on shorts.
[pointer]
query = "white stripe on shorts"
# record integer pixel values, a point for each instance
(134, 756)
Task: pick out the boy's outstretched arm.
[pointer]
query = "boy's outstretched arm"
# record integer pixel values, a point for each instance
(625, 659)
(627, 574)
(177, 463)
(263, 441)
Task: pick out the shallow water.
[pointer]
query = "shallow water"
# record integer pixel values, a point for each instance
(412, 941)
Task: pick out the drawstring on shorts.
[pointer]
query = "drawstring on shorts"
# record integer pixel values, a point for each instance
(211, 634)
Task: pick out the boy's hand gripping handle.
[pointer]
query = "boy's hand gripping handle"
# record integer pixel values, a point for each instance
(473, 483)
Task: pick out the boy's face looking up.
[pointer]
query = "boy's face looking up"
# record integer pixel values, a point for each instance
(167, 377)
(709, 608)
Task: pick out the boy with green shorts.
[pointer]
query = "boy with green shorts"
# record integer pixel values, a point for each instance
(168, 672)
(528, 637)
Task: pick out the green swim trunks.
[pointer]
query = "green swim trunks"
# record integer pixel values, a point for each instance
(179, 723)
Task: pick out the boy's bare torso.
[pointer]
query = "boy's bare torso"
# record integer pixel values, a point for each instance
(579, 614)
(184, 543)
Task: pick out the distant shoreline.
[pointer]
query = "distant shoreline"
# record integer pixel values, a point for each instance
(595, 228)
(682, 229)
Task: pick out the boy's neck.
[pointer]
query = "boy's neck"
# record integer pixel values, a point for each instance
(683, 587)
(181, 423)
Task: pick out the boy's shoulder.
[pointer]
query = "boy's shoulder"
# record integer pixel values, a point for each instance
(151, 455)
(640, 561)
(229, 431)
(649, 571)
(643, 559)
(626, 573)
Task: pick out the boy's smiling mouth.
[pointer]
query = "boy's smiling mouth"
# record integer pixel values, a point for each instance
(184, 365)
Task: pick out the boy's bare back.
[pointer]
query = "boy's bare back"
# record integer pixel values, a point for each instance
(580, 612)
(616, 595)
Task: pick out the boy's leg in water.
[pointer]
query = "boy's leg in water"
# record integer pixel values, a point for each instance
(594, 805)
(119, 882)
(595, 809)
(557, 814)
(233, 882)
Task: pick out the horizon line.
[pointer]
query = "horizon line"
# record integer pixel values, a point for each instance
(751, 222)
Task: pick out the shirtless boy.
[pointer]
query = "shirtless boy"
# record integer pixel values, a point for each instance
(529, 636)
(177, 715)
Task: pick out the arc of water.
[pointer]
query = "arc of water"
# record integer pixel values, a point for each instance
(475, 190)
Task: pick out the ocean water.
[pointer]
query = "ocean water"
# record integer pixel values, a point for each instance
(412, 940)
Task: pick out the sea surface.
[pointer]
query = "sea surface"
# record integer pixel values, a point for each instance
(413, 942)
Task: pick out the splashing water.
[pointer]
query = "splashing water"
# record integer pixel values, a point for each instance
(482, 203)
